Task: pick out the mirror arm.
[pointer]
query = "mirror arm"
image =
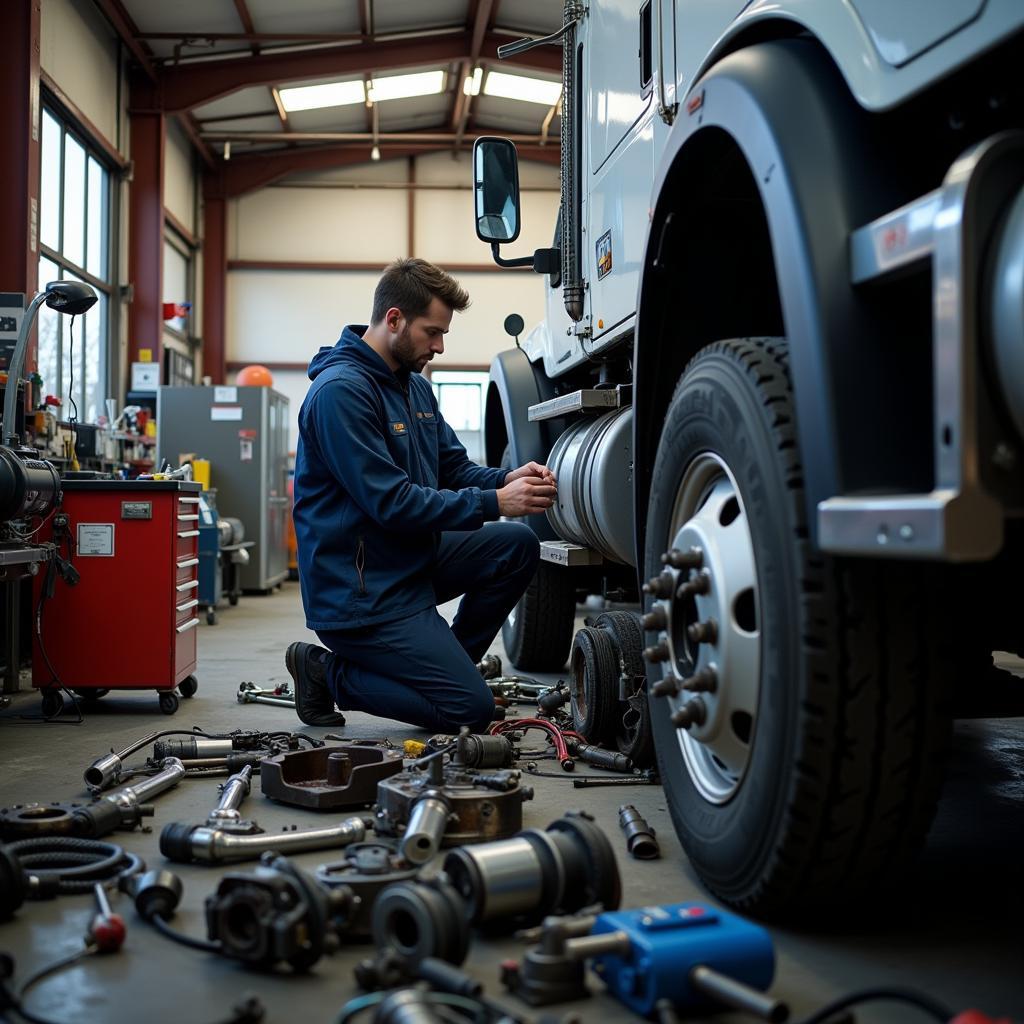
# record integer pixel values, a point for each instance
(543, 261)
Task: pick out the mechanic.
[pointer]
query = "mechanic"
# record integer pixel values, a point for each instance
(389, 522)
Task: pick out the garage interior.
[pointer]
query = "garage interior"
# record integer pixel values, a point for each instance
(172, 158)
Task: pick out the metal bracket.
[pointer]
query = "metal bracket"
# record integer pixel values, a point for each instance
(960, 519)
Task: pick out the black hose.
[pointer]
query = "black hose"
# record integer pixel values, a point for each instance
(180, 937)
(68, 865)
(899, 995)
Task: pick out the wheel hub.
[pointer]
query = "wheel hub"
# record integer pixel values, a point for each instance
(705, 613)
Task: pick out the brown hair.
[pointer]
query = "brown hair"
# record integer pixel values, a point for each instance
(410, 284)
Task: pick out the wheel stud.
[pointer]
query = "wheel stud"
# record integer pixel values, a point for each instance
(667, 687)
(659, 652)
(692, 559)
(655, 619)
(704, 681)
(696, 585)
(703, 632)
(660, 585)
(692, 712)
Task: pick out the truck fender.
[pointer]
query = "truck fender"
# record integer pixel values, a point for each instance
(515, 385)
(782, 109)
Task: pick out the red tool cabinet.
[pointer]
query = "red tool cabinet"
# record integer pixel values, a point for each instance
(130, 622)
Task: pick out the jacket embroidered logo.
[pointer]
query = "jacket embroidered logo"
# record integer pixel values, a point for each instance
(398, 428)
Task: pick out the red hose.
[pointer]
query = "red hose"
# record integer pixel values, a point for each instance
(556, 735)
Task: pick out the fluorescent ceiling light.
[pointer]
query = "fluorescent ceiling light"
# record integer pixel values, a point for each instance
(471, 86)
(519, 87)
(400, 87)
(312, 97)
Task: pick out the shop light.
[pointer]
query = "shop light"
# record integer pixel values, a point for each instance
(520, 87)
(471, 86)
(331, 94)
(401, 87)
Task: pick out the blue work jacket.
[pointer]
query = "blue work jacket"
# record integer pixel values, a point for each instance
(379, 475)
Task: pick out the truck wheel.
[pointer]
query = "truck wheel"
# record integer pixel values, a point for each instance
(538, 631)
(800, 716)
(594, 684)
(633, 719)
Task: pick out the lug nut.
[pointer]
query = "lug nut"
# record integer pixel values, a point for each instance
(660, 585)
(692, 712)
(695, 585)
(659, 652)
(655, 619)
(704, 681)
(692, 559)
(667, 687)
(703, 632)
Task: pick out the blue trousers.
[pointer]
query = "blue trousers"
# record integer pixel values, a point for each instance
(420, 670)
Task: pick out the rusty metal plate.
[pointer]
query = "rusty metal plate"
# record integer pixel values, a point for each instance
(328, 778)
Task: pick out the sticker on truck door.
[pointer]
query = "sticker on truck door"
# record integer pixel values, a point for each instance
(604, 255)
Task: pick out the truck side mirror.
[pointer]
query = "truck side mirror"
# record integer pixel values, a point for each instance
(496, 188)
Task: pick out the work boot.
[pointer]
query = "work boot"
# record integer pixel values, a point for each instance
(314, 702)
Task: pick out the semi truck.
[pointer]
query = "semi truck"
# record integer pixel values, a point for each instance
(780, 380)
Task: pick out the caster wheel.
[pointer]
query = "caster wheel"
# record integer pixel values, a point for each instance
(232, 599)
(211, 617)
(168, 703)
(53, 703)
(188, 686)
(91, 695)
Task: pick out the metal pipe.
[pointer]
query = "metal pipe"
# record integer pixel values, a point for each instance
(131, 800)
(198, 843)
(356, 138)
(607, 943)
(411, 186)
(737, 995)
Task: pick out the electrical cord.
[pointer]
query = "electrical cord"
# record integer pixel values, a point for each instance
(73, 418)
(10, 1001)
(161, 925)
(923, 1002)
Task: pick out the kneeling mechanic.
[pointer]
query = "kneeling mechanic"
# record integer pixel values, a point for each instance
(389, 522)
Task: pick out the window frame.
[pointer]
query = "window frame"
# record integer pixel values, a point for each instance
(70, 125)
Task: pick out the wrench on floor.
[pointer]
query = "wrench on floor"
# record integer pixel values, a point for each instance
(279, 696)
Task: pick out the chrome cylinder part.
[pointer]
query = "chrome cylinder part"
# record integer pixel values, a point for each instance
(193, 748)
(188, 843)
(593, 463)
(1006, 311)
(510, 875)
(426, 828)
(233, 793)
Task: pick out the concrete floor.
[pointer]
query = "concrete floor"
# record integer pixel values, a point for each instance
(955, 932)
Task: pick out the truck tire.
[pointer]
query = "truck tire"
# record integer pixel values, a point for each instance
(812, 766)
(633, 718)
(538, 632)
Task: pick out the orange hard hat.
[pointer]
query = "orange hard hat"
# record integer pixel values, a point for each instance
(255, 376)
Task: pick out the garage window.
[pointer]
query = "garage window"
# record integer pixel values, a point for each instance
(74, 245)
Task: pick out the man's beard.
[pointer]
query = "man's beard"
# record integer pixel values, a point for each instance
(404, 353)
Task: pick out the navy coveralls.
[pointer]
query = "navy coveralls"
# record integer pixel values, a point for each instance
(388, 516)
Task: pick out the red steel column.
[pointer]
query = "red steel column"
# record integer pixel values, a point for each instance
(215, 279)
(19, 167)
(146, 223)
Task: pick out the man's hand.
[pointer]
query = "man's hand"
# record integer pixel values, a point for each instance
(531, 469)
(526, 495)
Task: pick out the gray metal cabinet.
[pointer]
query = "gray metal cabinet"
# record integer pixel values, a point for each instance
(243, 431)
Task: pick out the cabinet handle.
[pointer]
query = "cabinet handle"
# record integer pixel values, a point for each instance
(188, 604)
(187, 562)
(188, 533)
(191, 585)
(191, 624)
(188, 519)
(188, 501)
